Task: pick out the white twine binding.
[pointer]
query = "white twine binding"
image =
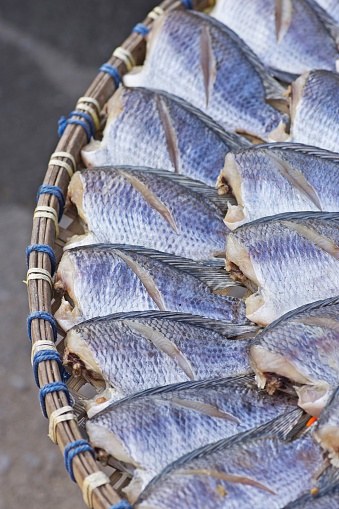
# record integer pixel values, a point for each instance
(48, 213)
(38, 273)
(41, 344)
(126, 56)
(91, 482)
(157, 11)
(70, 169)
(62, 414)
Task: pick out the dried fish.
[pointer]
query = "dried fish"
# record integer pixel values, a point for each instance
(288, 260)
(327, 429)
(274, 178)
(195, 57)
(154, 129)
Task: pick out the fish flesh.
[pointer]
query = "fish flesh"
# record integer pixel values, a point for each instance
(327, 429)
(135, 351)
(195, 57)
(287, 260)
(256, 470)
(154, 129)
(271, 179)
(125, 205)
(314, 106)
(187, 415)
(287, 35)
(103, 279)
(301, 346)
(331, 7)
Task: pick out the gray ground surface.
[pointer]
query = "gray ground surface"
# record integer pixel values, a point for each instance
(49, 53)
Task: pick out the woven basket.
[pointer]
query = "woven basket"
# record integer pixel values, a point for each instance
(101, 486)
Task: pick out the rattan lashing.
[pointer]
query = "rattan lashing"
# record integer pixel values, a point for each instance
(64, 429)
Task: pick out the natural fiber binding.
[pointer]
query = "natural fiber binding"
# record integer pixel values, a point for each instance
(48, 213)
(42, 344)
(70, 169)
(91, 482)
(38, 273)
(91, 100)
(126, 56)
(62, 414)
(156, 12)
(82, 105)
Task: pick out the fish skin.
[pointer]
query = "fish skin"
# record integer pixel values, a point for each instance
(135, 135)
(304, 45)
(262, 189)
(289, 268)
(130, 360)
(84, 274)
(159, 419)
(235, 95)
(302, 346)
(285, 468)
(324, 499)
(115, 211)
(314, 106)
(327, 428)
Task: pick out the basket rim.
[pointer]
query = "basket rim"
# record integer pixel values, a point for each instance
(98, 491)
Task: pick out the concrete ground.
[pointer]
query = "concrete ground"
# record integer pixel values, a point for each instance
(49, 53)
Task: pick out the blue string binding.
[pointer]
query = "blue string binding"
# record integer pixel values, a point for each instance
(188, 4)
(52, 387)
(41, 315)
(73, 449)
(45, 355)
(113, 72)
(141, 29)
(42, 248)
(56, 191)
(123, 504)
(86, 125)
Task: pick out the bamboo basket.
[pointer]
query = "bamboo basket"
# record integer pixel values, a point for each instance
(101, 484)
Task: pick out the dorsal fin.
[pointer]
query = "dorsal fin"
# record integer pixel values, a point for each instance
(170, 134)
(283, 18)
(295, 312)
(228, 330)
(298, 147)
(208, 63)
(272, 88)
(232, 140)
(290, 216)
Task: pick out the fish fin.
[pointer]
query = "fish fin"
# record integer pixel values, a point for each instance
(294, 313)
(299, 147)
(146, 280)
(273, 89)
(232, 140)
(205, 408)
(286, 77)
(152, 199)
(277, 428)
(239, 479)
(283, 18)
(290, 216)
(216, 279)
(164, 344)
(170, 134)
(228, 330)
(295, 178)
(208, 62)
(324, 243)
(326, 20)
(209, 193)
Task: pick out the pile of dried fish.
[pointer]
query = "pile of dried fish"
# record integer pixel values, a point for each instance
(195, 237)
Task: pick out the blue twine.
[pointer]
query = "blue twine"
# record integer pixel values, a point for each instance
(41, 315)
(42, 248)
(141, 29)
(87, 117)
(63, 122)
(113, 72)
(123, 504)
(45, 355)
(72, 450)
(188, 4)
(65, 376)
(56, 191)
(52, 387)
